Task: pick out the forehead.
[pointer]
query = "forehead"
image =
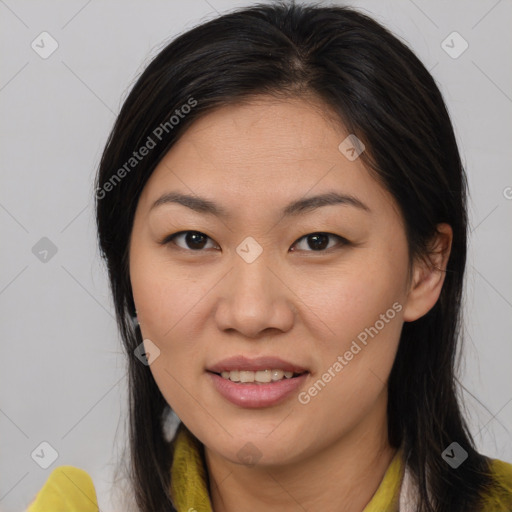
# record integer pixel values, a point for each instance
(265, 149)
(266, 128)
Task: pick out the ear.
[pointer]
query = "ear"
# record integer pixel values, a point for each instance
(428, 275)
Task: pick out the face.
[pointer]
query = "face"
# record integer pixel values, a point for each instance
(259, 288)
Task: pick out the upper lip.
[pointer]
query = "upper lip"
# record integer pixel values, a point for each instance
(255, 364)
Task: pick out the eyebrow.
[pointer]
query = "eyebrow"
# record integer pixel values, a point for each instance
(298, 207)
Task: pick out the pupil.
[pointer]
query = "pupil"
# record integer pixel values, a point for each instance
(320, 245)
(194, 238)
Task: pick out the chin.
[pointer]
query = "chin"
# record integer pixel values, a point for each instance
(251, 448)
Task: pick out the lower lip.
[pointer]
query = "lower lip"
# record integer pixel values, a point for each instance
(257, 395)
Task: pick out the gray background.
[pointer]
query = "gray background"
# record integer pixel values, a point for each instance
(62, 374)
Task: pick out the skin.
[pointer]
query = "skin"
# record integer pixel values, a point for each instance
(302, 305)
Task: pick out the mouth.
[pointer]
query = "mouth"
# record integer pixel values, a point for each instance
(256, 383)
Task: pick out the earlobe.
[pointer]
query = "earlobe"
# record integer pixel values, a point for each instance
(428, 275)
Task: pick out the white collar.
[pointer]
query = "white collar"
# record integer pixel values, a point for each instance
(408, 493)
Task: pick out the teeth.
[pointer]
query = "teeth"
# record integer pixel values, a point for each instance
(277, 374)
(263, 376)
(234, 376)
(246, 376)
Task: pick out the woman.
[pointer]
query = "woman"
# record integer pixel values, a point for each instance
(282, 208)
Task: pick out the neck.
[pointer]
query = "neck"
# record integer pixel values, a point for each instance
(342, 477)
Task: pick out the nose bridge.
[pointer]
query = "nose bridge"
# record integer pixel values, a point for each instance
(252, 279)
(254, 299)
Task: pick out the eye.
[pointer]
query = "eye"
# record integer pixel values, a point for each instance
(194, 240)
(319, 241)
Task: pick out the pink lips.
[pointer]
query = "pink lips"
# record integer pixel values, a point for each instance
(257, 395)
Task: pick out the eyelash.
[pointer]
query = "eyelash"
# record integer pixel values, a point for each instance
(342, 241)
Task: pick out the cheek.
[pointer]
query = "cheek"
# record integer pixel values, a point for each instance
(166, 297)
(360, 310)
(172, 320)
(353, 365)
(349, 300)
(168, 308)
(171, 304)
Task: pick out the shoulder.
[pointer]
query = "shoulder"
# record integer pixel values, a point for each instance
(499, 498)
(67, 488)
(502, 470)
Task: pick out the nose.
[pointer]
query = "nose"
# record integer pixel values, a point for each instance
(255, 300)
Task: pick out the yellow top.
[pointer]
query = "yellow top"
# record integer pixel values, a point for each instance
(69, 489)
